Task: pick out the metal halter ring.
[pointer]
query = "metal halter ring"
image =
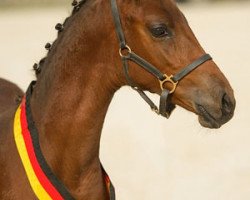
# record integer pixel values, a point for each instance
(168, 79)
(128, 51)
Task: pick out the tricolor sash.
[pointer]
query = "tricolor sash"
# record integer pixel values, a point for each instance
(43, 182)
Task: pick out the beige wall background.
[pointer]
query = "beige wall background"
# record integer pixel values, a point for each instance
(147, 156)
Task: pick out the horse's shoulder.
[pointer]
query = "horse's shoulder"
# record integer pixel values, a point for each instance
(7, 154)
(10, 95)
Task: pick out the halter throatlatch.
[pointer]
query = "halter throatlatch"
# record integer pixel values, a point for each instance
(166, 107)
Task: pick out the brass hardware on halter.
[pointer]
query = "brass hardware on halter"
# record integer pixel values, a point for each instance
(127, 49)
(168, 79)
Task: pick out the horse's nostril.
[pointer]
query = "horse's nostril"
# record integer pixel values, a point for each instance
(227, 105)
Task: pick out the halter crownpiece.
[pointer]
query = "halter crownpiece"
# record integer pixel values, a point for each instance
(166, 107)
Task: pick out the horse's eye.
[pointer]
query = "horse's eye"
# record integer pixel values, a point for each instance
(160, 31)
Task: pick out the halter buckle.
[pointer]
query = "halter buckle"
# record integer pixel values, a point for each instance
(168, 79)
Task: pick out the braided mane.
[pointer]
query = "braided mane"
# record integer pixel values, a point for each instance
(77, 5)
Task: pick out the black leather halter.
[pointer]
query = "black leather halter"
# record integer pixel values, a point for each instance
(166, 107)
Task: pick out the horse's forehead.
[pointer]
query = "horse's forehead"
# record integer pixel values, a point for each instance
(158, 6)
(165, 9)
(156, 3)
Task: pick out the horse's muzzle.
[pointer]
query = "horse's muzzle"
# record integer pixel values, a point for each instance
(211, 118)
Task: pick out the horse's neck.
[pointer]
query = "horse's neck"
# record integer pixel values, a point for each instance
(69, 104)
(69, 124)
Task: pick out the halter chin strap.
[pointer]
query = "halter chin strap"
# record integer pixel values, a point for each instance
(166, 107)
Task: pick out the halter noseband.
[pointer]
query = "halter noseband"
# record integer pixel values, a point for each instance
(166, 107)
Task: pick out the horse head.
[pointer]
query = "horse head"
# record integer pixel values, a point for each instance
(159, 33)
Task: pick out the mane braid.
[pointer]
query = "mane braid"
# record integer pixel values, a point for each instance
(78, 6)
(39, 66)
